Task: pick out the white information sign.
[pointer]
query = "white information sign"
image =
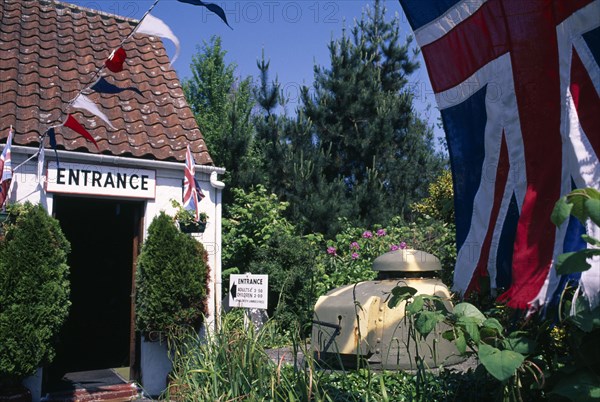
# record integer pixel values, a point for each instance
(77, 178)
(248, 290)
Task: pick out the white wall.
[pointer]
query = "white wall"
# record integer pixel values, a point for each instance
(26, 187)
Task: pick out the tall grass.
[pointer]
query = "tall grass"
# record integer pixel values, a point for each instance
(231, 364)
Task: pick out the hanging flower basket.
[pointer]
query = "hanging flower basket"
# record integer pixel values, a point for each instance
(192, 227)
(186, 220)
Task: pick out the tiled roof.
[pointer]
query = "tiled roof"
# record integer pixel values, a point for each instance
(50, 50)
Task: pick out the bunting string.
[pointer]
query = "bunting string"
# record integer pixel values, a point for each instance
(114, 63)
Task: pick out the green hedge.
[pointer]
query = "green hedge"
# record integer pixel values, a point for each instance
(171, 281)
(34, 290)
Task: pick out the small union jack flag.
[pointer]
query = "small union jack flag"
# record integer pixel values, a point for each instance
(517, 83)
(192, 193)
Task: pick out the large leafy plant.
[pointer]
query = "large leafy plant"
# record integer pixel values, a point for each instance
(579, 378)
(583, 204)
(34, 290)
(171, 280)
(507, 355)
(514, 353)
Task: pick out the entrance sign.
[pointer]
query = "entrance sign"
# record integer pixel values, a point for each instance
(248, 290)
(76, 178)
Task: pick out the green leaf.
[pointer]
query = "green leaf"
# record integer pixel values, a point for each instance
(427, 321)
(585, 319)
(581, 386)
(592, 193)
(440, 306)
(449, 335)
(471, 327)
(416, 305)
(400, 294)
(578, 198)
(520, 344)
(591, 240)
(404, 291)
(493, 324)
(592, 207)
(561, 211)
(461, 343)
(575, 261)
(468, 310)
(502, 364)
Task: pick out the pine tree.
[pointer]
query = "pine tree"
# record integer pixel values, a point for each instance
(362, 119)
(293, 163)
(270, 138)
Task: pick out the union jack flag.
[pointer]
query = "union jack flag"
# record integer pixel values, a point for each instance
(517, 83)
(192, 193)
(6, 169)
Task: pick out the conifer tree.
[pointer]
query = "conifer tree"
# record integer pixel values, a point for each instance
(362, 119)
(293, 163)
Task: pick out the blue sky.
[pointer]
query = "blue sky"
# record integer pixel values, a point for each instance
(293, 34)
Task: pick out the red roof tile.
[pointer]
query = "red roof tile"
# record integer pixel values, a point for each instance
(51, 49)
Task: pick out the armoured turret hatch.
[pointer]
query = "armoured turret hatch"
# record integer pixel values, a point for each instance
(407, 260)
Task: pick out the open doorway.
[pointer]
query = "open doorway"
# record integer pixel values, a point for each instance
(104, 234)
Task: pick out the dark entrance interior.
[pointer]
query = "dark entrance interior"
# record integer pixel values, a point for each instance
(103, 235)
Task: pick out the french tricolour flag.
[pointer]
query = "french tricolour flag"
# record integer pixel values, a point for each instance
(518, 84)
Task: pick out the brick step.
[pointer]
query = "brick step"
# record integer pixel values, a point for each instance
(112, 393)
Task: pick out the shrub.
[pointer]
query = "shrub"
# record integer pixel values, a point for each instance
(439, 204)
(290, 263)
(253, 218)
(171, 279)
(349, 257)
(34, 290)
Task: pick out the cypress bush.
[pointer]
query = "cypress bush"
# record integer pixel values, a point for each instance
(34, 290)
(171, 280)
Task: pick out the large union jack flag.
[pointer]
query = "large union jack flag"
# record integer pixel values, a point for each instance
(517, 83)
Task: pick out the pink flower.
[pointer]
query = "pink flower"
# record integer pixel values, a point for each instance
(331, 251)
(402, 245)
(367, 234)
(394, 247)
(354, 245)
(381, 233)
(355, 256)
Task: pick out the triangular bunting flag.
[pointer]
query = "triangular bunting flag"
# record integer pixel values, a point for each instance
(211, 6)
(104, 87)
(78, 128)
(52, 136)
(156, 27)
(83, 102)
(116, 59)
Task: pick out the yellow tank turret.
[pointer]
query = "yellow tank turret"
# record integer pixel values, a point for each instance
(355, 322)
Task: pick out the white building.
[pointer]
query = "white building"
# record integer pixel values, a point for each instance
(105, 197)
